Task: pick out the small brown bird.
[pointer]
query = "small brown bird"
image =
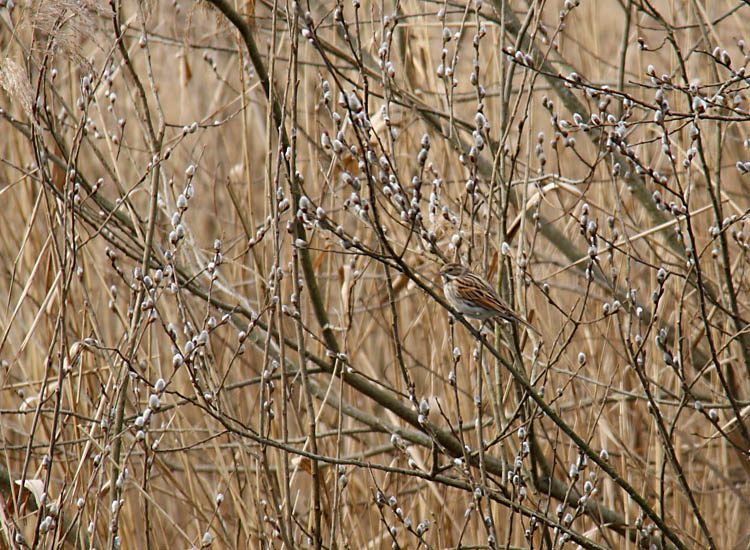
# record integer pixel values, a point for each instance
(472, 296)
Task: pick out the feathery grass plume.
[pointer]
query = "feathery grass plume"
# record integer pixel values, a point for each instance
(15, 81)
(68, 25)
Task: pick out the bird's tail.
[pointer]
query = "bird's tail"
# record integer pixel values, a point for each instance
(514, 317)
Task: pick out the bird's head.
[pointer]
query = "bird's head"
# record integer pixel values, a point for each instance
(452, 271)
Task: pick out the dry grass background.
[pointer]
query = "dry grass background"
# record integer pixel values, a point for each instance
(153, 389)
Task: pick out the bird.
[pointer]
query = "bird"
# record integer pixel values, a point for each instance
(472, 296)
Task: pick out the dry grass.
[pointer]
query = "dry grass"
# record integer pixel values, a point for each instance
(200, 350)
